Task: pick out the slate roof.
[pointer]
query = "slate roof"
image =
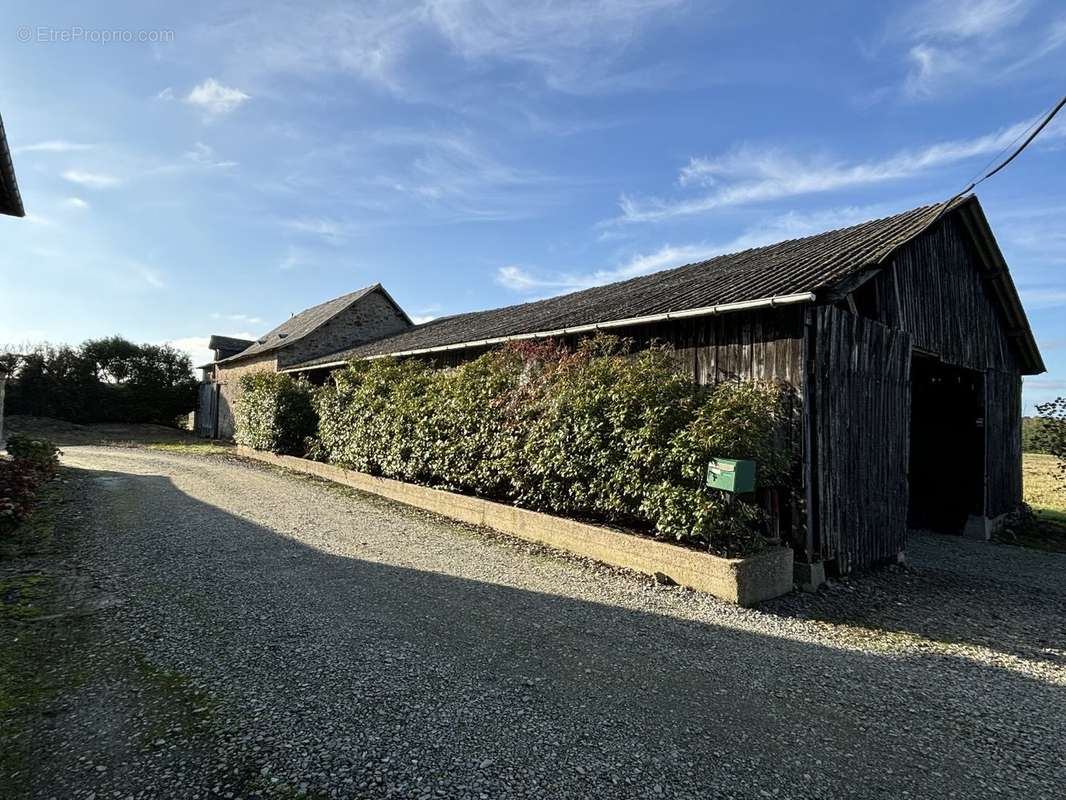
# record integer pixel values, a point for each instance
(217, 342)
(797, 266)
(10, 199)
(299, 325)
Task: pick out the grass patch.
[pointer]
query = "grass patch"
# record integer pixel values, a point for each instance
(21, 597)
(1044, 489)
(36, 534)
(193, 448)
(1045, 494)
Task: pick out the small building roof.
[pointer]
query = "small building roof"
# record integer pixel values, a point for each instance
(308, 320)
(10, 199)
(217, 342)
(797, 270)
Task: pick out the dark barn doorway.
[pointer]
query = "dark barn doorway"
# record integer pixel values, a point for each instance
(947, 452)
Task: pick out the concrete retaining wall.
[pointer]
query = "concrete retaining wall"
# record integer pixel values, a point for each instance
(745, 581)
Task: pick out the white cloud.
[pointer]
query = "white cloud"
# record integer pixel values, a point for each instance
(930, 68)
(203, 155)
(52, 146)
(214, 98)
(572, 46)
(950, 44)
(294, 257)
(950, 20)
(422, 319)
(94, 180)
(329, 230)
(166, 94)
(75, 202)
(754, 174)
(152, 277)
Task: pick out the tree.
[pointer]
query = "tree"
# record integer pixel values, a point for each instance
(104, 380)
(1051, 437)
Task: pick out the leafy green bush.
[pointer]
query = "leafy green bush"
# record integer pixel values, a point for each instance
(598, 433)
(40, 452)
(274, 412)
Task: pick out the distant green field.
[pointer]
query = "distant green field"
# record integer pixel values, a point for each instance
(1043, 488)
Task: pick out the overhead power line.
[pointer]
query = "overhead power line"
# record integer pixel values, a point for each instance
(1017, 152)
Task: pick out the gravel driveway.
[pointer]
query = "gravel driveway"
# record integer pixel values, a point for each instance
(257, 634)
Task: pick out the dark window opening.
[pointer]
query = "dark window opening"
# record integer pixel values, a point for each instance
(865, 298)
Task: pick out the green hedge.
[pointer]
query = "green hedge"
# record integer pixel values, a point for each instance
(598, 433)
(274, 412)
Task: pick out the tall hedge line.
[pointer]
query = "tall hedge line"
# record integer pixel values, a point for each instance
(598, 433)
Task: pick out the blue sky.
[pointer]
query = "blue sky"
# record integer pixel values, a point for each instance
(218, 166)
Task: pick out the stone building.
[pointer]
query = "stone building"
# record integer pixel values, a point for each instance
(345, 321)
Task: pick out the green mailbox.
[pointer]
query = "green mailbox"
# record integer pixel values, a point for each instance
(731, 475)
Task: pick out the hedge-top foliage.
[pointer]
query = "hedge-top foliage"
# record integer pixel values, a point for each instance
(598, 433)
(274, 412)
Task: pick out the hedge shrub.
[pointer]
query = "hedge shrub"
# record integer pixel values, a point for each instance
(36, 450)
(33, 462)
(598, 433)
(274, 412)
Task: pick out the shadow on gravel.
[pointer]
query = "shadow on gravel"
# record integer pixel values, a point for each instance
(1009, 599)
(370, 661)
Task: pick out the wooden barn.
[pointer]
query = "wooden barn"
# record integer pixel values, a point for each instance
(903, 340)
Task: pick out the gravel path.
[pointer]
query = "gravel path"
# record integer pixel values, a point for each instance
(265, 635)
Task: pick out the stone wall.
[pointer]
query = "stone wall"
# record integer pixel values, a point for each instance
(370, 318)
(229, 378)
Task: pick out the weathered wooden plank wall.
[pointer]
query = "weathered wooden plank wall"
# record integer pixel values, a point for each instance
(861, 408)
(757, 345)
(206, 410)
(942, 302)
(1003, 442)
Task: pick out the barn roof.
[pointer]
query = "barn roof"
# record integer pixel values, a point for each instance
(10, 199)
(794, 271)
(217, 342)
